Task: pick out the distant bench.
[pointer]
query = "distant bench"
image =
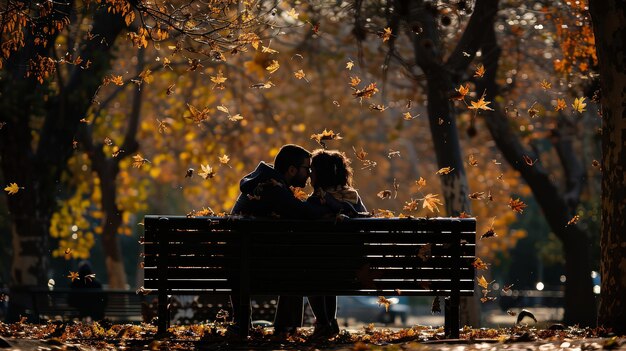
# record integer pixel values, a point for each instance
(121, 305)
(364, 256)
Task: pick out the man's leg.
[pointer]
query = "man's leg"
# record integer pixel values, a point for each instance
(289, 311)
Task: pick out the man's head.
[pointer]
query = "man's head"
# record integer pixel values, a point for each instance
(294, 162)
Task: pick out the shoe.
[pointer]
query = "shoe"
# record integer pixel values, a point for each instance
(324, 332)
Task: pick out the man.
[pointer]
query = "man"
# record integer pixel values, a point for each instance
(266, 192)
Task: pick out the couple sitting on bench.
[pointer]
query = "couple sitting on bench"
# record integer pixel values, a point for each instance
(268, 192)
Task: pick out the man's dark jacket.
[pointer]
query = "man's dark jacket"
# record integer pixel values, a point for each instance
(265, 193)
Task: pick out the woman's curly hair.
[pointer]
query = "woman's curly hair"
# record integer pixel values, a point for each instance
(332, 168)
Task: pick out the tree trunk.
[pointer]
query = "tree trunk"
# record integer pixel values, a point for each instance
(38, 168)
(610, 34)
(579, 300)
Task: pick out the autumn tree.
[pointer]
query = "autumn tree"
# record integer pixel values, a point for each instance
(53, 65)
(609, 28)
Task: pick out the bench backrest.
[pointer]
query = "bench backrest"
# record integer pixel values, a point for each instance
(365, 256)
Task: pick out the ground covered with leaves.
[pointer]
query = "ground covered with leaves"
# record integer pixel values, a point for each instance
(212, 336)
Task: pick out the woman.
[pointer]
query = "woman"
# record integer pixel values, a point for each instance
(331, 174)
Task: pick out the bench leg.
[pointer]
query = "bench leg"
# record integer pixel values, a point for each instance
(452, 317)
(163, 313)
(242, 317)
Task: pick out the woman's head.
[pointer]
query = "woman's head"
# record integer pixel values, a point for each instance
(330, 168)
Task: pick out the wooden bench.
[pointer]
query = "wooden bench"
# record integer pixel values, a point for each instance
(121, 305)
(365, 256)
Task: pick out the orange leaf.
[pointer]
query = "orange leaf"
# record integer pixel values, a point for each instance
(431, 201)
(517, 205)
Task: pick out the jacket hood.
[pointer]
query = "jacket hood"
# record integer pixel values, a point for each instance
(262, 173)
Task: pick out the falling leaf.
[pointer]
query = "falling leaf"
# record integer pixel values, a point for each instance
(146, 76)
(436, 305)
(574, 220)
(482, 282)
(360, 155)
(265, 85)
(68, 251)
(12, 188)
(235, 118)
(382, 213)
(170, 90)
(480, 71)
(384, 194)
(300, 74)
(223, 108)
(489, 234)
(479, 195)
(293, 14)
(207, 172)
(354, 81)
(366, 92)
(546, 85)
(90, 277)
(579, 105)
(472, 160)
(393, 153)
(386, 34)
(139, 161)
(511, 313)
(480, 104)
(384, 301)
(73, 276)
(218, 80)
(410, 205)
(440, 121)
(431, 201)
(407, 116)
(108, 141)
(517, 205)
(532, 111)
(189, 173)
(479, 264)
(223, 159)
(325, 135)
(507, 287)
(268, 50)
(273, 67)
(444, 170)
(349, 65)
(421, 183)
(198, 116)
(529, 161)
(487, 298)
(461, 91)
(375, 107)
(560, 105)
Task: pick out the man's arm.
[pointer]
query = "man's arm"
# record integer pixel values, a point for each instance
(287, 206)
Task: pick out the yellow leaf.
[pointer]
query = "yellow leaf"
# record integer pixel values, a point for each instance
(219, 79)
(482, 282)
(354, 81)
(12, 188)
(207, 172)
(235, 118)
(444, 170)
(560, 105)
(407, 116)
(461, 92)
(73, 276)
(480, 104)
(480, 71)
(384, 301)
(386, 34)
(431, 201)
(293, 14)
(268, 50)
(480, 265)
(273, 67)
(223, 108)
(349, 65)
(366, 92)
(299, 74)
(224, 159)
(546, 85)
(420, 183)
(579, 104)
(146, 76)
(139, 161)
